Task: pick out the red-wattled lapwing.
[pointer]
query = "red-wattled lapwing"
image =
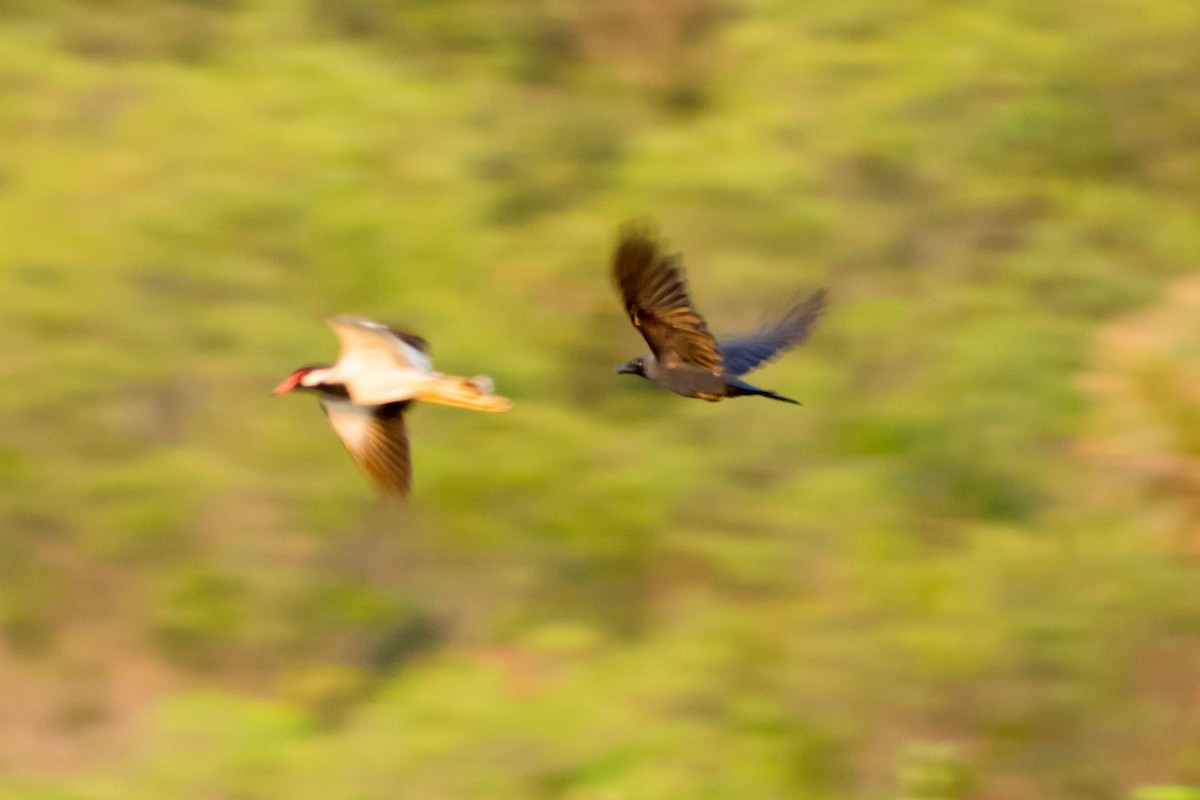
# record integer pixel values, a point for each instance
(380, 371)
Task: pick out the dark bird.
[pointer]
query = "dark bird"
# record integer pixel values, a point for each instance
(684, 357)
(379, 373)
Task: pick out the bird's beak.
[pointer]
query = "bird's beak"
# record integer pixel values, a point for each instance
(626, 369)
(289, 383)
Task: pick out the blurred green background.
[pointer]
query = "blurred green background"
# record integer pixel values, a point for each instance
(965, 568)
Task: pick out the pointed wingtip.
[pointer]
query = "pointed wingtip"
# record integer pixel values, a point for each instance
(818, 299)
(638, 227)
(349, 321)
(812, 306)
(394, 493)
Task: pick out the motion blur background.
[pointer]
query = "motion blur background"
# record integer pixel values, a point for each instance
(965, 568)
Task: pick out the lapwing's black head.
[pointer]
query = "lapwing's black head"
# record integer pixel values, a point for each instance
(635, 367)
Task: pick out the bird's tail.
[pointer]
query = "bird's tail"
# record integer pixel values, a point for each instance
(474, 393)
(740, 388)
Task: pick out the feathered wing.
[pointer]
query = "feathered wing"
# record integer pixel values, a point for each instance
(654, 291)
(746, 353)
(377, 440)
(378, 364)
(376, 345)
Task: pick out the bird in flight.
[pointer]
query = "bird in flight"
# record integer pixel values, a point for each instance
(379, 373)
(684, 357)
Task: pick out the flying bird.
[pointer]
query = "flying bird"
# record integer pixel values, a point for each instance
(379, 373)
(684, 356)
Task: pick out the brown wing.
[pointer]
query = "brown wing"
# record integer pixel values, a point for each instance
(654, 291)
(377, 440)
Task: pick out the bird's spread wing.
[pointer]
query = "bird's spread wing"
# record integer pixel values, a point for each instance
(655, 295)
(378, 364)
(377, 441)
(373, 345)
(749, 352)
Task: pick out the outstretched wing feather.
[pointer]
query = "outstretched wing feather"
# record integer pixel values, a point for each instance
(654, 292)
(371, 345)
(746, 353)
(377, 439)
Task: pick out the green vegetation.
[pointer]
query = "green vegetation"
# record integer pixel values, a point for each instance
(964, 569)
